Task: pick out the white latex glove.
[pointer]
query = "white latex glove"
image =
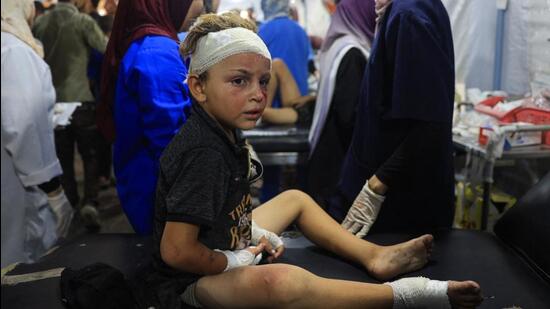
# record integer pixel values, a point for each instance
(63, 212)
(272, 238)
(363, 212)
(240, 258)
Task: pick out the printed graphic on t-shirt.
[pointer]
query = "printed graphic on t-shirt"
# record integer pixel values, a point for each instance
(242, 232)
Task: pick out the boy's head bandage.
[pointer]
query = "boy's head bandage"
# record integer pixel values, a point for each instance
(216, 46)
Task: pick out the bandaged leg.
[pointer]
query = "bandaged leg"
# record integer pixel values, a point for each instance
(419, 292)
(188, 296)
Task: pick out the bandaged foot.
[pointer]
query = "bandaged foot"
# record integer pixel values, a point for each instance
(420, 292)
(363, 212)
(258, 233)
(240, 258)
(391, 261)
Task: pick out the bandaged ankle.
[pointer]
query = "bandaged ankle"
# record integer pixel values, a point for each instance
(419, 292)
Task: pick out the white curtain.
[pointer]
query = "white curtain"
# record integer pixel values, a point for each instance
(525, 46)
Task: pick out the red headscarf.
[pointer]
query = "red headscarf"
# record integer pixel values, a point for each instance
(134, 19)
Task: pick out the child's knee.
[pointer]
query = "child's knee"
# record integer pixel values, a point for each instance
(282, 284)
(297, 197)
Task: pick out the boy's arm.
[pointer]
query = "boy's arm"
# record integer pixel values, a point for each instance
(180, 248)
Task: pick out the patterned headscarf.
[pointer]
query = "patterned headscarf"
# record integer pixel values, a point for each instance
(275, 8)
(17, 16)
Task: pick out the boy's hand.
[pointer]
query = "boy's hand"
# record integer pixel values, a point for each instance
(274, 253)
(244, 257)
(273, 244)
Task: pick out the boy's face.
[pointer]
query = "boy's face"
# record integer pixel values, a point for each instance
(236, 90)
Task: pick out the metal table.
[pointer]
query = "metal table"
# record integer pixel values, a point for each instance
(280, 144)
(487, 154)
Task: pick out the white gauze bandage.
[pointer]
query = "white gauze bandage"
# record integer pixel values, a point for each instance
(216, 46)
(258, 233)
(239, 258)
(419, 292)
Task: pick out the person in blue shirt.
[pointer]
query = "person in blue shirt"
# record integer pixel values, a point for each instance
(400, 155)
(289, 43)
(143, 96)
(286, 40)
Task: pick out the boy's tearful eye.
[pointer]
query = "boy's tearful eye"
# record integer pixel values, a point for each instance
(264, 82)
(239, 82)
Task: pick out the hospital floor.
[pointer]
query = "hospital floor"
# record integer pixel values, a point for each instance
(112, 217)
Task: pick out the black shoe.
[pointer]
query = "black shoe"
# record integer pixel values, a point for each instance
(90, 217)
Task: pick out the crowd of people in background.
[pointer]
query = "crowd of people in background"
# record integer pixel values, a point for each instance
(148, 88)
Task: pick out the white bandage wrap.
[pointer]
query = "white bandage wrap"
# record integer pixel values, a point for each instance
(419, 292)
(239, 258)
(216, 46)
(363, 212)
(258, 232)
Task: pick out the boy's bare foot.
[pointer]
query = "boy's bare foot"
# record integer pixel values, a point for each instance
(402, 258)
(464, 294)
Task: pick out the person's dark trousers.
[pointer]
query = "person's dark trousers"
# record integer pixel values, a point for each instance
(83, 132)
(105, 158)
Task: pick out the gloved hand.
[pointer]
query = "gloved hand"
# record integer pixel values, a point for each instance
(63, 212)
(238, 258)
(363, 212)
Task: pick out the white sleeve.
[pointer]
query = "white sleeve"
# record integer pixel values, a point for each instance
(27, 105)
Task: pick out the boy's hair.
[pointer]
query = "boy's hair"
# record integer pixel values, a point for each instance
(212, 23)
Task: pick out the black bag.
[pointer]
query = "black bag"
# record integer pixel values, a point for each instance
(96, 286)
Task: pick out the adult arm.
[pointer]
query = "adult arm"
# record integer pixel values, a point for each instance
(347, 90)
(27, 105)
(27, 128)
(422, 92)
(420, 100)
(93, 34)
(421, 139)
(162, 97)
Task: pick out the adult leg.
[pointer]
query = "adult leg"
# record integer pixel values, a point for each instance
(64, 145)
(105, 162)
(87, 139)
(383, 262)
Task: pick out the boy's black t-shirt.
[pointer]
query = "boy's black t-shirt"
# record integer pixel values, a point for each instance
(203, 180)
